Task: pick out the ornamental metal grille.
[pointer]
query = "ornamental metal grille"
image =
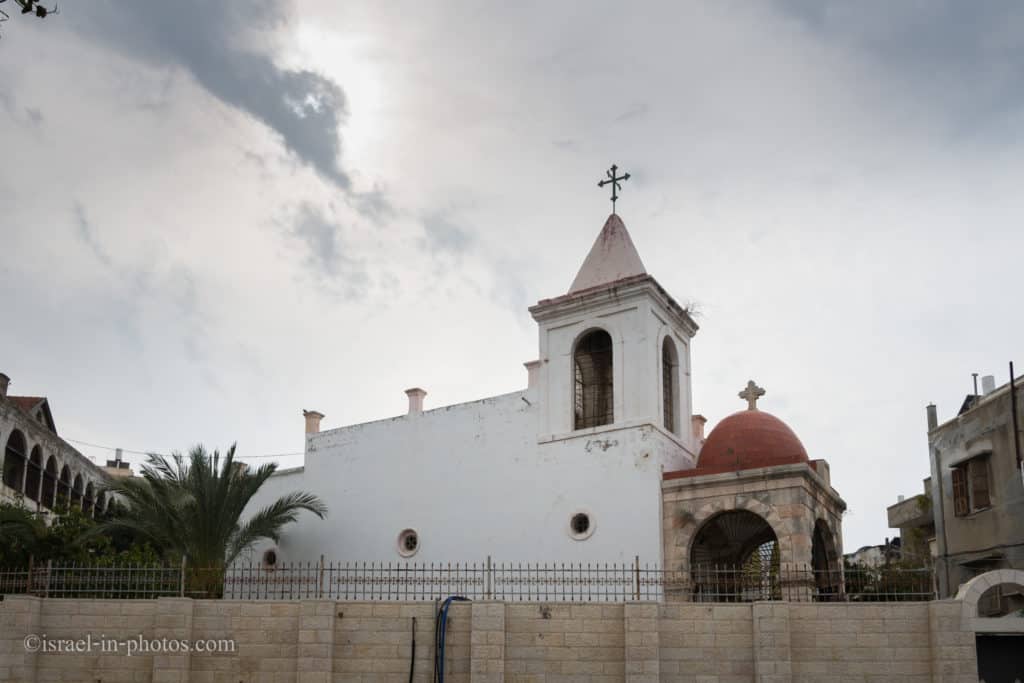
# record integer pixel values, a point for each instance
(488, 580)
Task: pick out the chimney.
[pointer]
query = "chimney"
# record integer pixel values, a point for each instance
(698, 422)
(415, 400)
(4, 381)
(532, 373)
(988, 385)
(312, 421)
(933, 417)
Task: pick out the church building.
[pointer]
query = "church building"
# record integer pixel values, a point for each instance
(599, 459)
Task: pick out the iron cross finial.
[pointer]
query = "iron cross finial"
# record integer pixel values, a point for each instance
(751, 394)
(613, 179)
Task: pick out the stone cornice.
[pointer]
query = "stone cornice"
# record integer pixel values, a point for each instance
(620, 291)
(758, 474)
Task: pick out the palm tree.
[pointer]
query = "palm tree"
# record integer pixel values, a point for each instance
(20, 534)
(191, 506)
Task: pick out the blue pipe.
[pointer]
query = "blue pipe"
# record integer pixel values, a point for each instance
(444, 629)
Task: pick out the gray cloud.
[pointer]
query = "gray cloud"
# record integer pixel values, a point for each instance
(327, 251)
(444, 235)
(967, 54)
(208, 40)
(88, 236)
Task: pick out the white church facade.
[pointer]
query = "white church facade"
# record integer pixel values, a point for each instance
(596, 460)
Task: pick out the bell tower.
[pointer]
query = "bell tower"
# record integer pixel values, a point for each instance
(615, 351)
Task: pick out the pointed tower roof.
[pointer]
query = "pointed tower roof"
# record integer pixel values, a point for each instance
(613, 257)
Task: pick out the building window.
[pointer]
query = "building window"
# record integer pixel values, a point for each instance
(408, 543)
(669, 383)
(970, 486)
(270, 559)
(592, 368)
(581, 525)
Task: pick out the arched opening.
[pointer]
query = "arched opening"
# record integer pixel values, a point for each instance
(76, 492)
(64, 487)
(825, 563)
(89, 501)
(101, 505)
(592, 368)
(735, 558)
(14, 460)
(669, 383)
(1001, 600)
(48, 498)
(34, 474)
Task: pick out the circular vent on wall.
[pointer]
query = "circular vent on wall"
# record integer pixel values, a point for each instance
(581, 525)
(408, 543)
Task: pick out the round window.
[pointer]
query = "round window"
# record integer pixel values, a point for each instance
(408, 543)
(270, 559)
(581, 525)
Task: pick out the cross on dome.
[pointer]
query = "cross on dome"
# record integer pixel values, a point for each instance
(751, 394)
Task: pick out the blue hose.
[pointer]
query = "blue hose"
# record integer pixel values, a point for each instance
(443, 620)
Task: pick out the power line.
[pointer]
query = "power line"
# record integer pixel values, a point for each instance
(128, 450)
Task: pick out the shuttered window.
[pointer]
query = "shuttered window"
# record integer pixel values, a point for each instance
(961, 504)
(977, 469)
(971, 486)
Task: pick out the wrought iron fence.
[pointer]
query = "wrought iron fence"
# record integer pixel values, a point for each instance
(511, 582)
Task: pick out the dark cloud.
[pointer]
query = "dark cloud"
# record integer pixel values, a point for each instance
(227, 47)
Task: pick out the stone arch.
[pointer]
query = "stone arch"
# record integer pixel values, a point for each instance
(826, 562)
(15, 459)
(34, 474)
(89, 500)
(971, 593)
(77, 491)
(593, 368)
(762, 510)
(101, 504)
(734, 556)
(64, 486)
(48, 495)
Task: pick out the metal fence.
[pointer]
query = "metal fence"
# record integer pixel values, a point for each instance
(488, 580)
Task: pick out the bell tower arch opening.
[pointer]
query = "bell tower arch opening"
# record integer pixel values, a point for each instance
(669, 385)
(593, 393)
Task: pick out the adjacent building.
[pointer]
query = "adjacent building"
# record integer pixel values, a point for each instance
(42, 471)
(972, 514)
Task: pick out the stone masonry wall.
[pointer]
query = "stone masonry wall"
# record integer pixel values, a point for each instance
(323, 641)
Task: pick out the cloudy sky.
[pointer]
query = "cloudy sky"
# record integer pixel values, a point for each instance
(214, 215)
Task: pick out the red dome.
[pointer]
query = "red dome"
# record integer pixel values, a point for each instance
(750, 439)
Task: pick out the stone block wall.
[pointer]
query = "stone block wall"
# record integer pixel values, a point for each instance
(559, 641)
(323, 641)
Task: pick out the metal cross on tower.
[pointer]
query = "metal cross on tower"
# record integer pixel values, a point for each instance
(613, 179)
(751, 394)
